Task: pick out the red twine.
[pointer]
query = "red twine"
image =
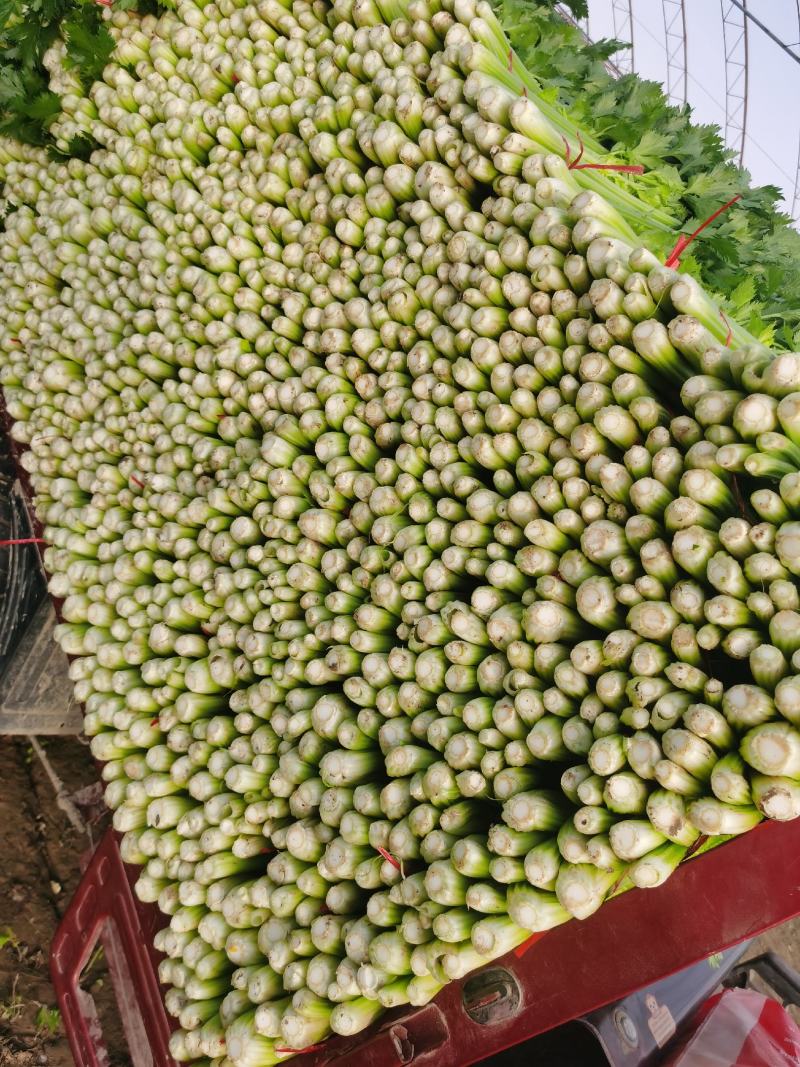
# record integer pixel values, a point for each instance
(137, 481)
(103, 3)
(23, 541)
(575, 164)
(510, 59)
(155, 721)
(297, 1051)
(701, 840)
(683, 242)
(729, 338)
(389, 858)
(490, 998)
(618, 883)
(520, 950)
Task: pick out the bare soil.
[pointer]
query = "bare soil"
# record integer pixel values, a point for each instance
(40, 853)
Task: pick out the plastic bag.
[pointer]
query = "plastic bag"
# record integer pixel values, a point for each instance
(740, 1028)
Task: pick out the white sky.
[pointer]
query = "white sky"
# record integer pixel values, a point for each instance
(773, 124)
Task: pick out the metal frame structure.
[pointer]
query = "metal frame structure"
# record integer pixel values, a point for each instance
(736, 42)
(736, 18)
(582, 25)
(622, 11)
(675, 44)
(737, 10)
(792, 50)
(563, 11)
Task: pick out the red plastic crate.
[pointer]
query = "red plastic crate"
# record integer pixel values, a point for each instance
(105, 910)
(725, 896)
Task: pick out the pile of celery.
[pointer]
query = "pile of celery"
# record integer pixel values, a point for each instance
(428, 560)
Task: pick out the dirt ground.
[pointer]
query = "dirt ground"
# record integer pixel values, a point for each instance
(39, 868)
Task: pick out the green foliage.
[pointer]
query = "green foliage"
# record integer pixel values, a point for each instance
(579, 8)
(690, 171)
(27, 29)
(8, 937)
(48, 1020)
(89, 44)
(80, 147)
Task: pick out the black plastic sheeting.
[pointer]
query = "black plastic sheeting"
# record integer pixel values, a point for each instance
(22, 584)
